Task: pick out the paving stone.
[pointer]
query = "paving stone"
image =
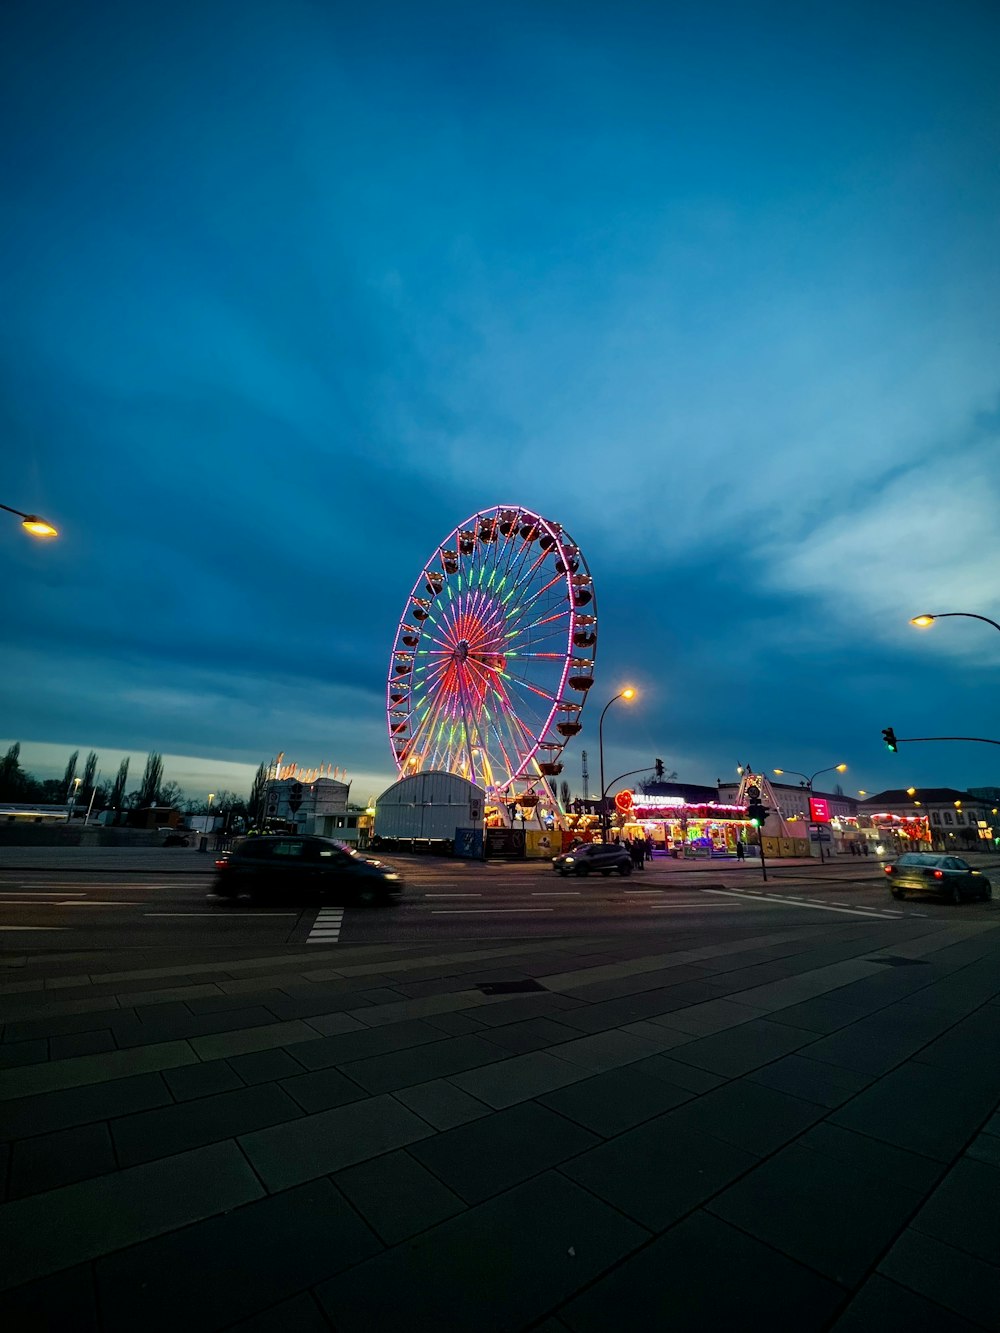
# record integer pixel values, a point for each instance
(224, 1045)
(518, 1079)
(927, 1110)
(64, 1302)
(192, 1081)
(496, 1267)
(743, 1048)
(68, 1226)
(605, 1050)
(50, 1160)
(711, 1016)
(401, 1069)
(480, 1159)
(16, 1053)
(890, 1308)
(656, 1175)
(397, 1196)
(80, 1043)
(616, 1100)
(316, 1006)
(455, 1024)
(752, 1116)
(227, 1268)
(173, 1129)
(534, 1034)
(971, 1040)
(703, 1274)
(441, 1104)
(875, 1157)
(842, 1237)
(985, 1148)
(949, 1276)
(349, 1046)
(174, 1021)
(877, 1044)
(829, 1013)
(683, 1076)
(812, 1081)
(964, 1210)
(299, 1315)
(527, 1006)
(316, 1145)
(265, 1066)
(331, 1025)
(323, 1089)
(85, 1069)
(80, 1106)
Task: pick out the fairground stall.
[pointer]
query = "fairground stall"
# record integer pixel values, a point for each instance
(704, 828)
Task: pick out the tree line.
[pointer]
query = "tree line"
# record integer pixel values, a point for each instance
(83, 789)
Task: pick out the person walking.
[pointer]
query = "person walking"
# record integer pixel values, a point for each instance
(741, 851)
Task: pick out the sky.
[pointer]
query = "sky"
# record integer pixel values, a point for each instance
(290, 290)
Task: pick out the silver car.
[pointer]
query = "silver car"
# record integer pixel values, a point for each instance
(593, 858)
(932, 872)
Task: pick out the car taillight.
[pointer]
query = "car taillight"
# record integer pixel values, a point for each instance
(939, 874)
(222, 865)
(889, 869)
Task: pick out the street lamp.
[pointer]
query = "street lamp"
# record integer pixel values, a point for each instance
(628, 694)
(926, 620)
(38, 527)
(208, 821)
(808, 784)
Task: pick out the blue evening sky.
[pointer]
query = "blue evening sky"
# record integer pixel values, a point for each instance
(292, 288)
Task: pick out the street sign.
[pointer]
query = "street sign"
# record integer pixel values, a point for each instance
(820, 834)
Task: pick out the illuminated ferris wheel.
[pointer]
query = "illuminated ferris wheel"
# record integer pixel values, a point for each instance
(494, 655)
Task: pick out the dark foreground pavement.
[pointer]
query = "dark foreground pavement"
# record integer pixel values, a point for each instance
(704, 1129)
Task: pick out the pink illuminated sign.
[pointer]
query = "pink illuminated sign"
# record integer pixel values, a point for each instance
(819, 810)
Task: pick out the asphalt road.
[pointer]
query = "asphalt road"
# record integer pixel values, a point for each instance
(102, 908)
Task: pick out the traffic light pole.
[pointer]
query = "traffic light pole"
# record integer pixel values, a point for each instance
(909, 740)
(763, 863)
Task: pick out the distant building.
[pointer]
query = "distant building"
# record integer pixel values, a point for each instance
(793, 801)
(310, 801)
(943, 816)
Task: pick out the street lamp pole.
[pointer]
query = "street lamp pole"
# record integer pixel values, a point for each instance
(807, 782)
(32, 523)
(926, 620)
(626, 694)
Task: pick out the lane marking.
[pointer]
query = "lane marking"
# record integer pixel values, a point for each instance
(69, 902)
(9, 893)
(487, 911)
(9, 928)
(557, 893)
(452, 895)
(212, 916)
(326, 927)
(817, 907)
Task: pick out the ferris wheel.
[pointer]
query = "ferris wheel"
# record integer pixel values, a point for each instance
(494, 655)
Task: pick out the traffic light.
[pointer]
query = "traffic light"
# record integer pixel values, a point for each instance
(889, 736)
(658, 769)
(757, 812)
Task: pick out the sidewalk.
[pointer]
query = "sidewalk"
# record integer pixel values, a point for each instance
(695, 1131)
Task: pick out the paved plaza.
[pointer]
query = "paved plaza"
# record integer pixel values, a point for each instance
(787, 1128)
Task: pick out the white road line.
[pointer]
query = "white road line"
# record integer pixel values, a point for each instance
(487, 911)
(326, 927)
(452, 895)
(8, 928)
(556, 893)
(818, 907)
(68, 902)
(9, 893)
(213, 916)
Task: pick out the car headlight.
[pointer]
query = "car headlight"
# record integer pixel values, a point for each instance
(569, 860)
(392, 877)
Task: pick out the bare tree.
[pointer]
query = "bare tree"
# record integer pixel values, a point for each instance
(152, 776)
(70, 773)
(12, 778)
(89, 771)
(565, 795)
(116, 797)
(258, 796)
(171, 794)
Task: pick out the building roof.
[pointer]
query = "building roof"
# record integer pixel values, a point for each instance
(925, 795)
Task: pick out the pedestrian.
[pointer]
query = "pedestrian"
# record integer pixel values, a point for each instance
(864, 847)
(649, 847)
(638, 855)
(741, 853)
(854, 848)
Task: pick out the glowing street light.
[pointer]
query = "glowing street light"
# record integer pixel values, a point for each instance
(808, 782)
(628, 694)
(925, 620)
(38, 527)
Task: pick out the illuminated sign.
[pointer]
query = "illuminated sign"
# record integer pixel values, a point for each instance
(624, 801)
(819, 810)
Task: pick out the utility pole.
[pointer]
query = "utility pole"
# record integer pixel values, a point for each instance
(586, 777)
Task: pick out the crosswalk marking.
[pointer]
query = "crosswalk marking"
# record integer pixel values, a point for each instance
(326, 927)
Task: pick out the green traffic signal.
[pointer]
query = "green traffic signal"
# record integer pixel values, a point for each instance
(889, 736)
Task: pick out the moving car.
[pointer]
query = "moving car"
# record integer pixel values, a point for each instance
(592, 858)
(302, 867)
(932, 872)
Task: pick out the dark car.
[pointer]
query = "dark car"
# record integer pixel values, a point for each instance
(931, 872)
(302, 868)
(593, 858)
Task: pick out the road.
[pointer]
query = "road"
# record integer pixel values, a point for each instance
(70, 908)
